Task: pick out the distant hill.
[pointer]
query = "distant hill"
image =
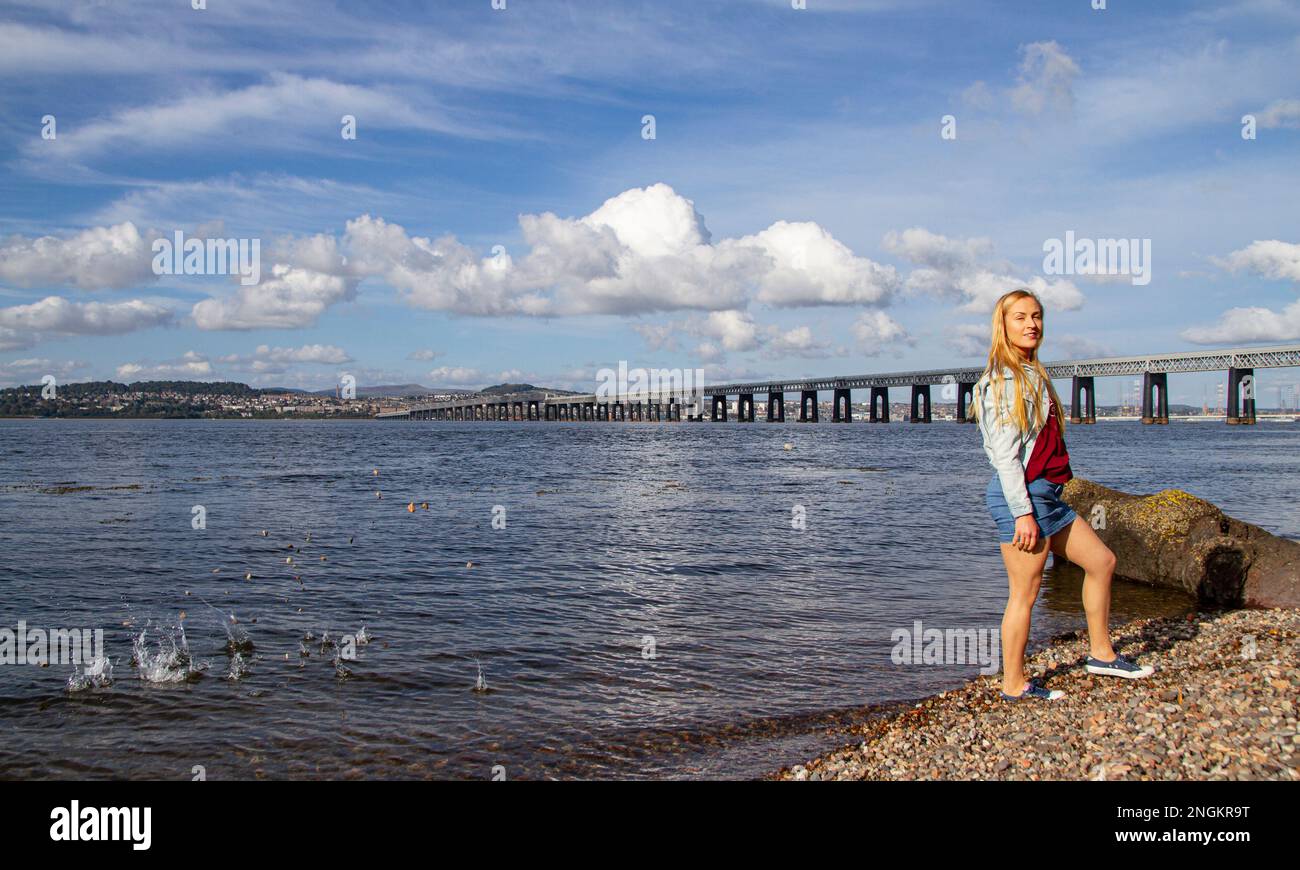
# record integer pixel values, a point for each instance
(505, 389)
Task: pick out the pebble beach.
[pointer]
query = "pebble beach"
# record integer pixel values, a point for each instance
(1220, 706)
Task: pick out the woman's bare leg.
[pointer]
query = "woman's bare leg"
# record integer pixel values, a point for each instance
(1024, 575)
(1080, 544)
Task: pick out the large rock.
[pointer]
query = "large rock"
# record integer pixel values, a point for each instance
(1177, 540)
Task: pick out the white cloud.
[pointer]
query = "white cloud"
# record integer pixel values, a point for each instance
(424, 355)
(810, 267)
(289, 299)
(456, 377)
(274, 360)
(56, 314)
(295, 105)
(876, 328)
(1268, 259)
(969, 340)
(1046, 79)
(29, 371)
(961, 270)
(1280, 113)
(190, 365)
(1249, 324)
(94, 259)
(644, 250)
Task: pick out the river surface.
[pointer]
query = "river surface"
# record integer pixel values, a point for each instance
(636, 598)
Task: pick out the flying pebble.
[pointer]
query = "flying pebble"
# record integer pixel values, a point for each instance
(410, 508)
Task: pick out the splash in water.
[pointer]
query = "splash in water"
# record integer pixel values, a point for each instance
(171, 663)
(97, 675)
(480, 685)
(238, 667)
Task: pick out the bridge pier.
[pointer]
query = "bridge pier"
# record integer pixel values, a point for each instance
(775, 407)
(745, 407)
(719, 405)
(1241, 397)
(808, 406)
(1083, 410)
(654, 411)
(919, 392)
(879, 413)
(965, 401)
(1155, 409)
(674, 411)
(842, 398)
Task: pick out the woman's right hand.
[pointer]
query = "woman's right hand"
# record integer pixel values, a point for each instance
(1026, 537)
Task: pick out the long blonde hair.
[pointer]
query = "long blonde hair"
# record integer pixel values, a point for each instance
(1002, 354)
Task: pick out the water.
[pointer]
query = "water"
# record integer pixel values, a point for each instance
(646, 611)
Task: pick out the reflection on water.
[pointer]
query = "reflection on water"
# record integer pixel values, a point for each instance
(643, 604)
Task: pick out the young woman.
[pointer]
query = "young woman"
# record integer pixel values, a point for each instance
(1021, 422)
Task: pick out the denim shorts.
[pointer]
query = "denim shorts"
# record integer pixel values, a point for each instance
(1051, 513)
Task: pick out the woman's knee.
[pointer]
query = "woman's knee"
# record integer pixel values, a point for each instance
(1104, 563)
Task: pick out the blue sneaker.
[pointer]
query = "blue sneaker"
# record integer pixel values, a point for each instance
(1119, 667)
(1034, 689)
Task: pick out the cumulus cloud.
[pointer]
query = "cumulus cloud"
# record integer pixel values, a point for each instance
(724, 332)
(56, 314)
(456, 377)
(290, 298)
(645, 250)
(30, 371)
(424, 355)
(1268, 259)
(874, 329)
(189, 366)
(1249, 324)
(810, 267)
(969, 339)
(274, 360)
(94, 259)
(963, 270)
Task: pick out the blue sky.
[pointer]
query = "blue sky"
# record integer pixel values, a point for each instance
(501, 215)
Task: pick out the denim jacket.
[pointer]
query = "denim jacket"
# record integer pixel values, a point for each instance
(1007, 448)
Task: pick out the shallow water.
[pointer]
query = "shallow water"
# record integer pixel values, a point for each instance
(765, 638)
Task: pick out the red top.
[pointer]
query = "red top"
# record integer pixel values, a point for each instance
(1049, 458)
